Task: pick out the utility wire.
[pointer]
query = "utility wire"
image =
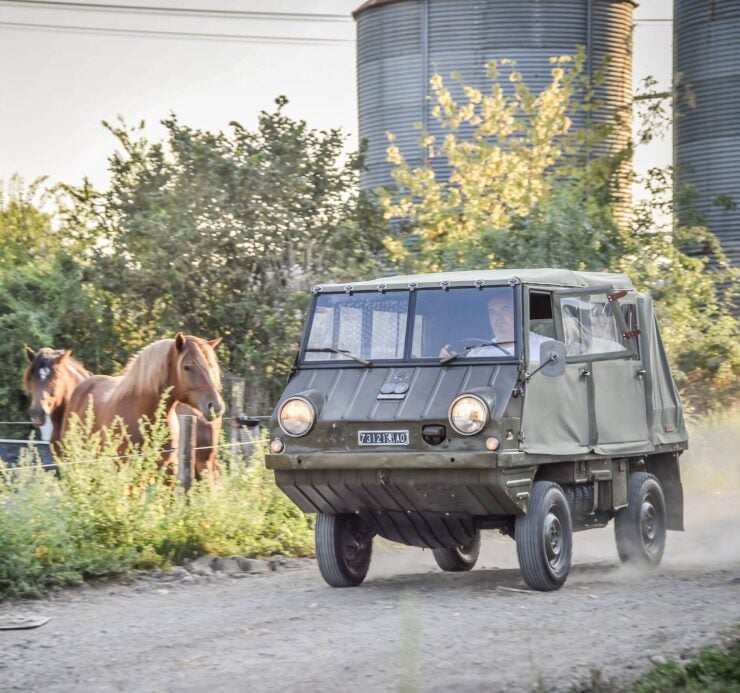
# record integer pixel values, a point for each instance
(64, 28)
(152, 9)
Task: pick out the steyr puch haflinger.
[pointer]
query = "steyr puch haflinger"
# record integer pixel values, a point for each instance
(427, 408)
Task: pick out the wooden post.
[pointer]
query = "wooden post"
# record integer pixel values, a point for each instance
(237, 408)
(186, 451)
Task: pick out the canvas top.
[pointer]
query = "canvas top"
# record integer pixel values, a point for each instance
(543, 276)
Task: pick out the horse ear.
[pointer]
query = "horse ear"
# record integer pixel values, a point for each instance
(180, 341)
(30, 353)
(67, 353)
(215, 342)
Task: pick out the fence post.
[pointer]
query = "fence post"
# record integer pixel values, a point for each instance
(237, 408)
(186, 451)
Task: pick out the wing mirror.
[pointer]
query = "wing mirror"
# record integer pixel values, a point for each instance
(552, 360)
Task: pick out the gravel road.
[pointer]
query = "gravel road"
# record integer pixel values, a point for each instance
(409, 627)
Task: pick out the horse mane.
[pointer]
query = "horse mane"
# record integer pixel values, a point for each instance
(147, 370)
(74, 364)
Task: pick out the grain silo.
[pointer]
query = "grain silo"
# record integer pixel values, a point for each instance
(706, 138)
(401, 43)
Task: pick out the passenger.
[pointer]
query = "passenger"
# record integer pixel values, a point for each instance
(578, 341)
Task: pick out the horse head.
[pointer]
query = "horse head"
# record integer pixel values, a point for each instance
(196, 375)
(46, 381)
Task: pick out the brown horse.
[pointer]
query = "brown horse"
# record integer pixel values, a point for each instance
(185, 367)
(51, 377)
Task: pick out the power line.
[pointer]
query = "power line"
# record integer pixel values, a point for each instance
(155, 9)
(109, 31)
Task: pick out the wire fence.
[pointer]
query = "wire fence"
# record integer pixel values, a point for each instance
(242, 419)
(113, 458)
(188, 449)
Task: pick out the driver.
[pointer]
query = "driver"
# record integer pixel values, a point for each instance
(501, 320)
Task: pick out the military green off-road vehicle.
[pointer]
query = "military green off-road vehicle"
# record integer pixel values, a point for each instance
(428, 408)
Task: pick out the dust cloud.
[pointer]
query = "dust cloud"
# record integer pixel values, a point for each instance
(710, 471)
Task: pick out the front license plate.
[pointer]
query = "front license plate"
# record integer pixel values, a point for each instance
(383, 437)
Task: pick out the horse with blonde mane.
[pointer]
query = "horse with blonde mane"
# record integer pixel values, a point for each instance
(52, 376)
(186, 368)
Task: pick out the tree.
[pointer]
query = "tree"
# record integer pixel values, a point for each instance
(43, 301)
(222, 234)
(524, 190)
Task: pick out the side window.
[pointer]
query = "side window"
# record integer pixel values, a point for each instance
(589, 326)
(540, 314)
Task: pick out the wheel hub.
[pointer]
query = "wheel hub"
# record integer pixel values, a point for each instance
(355, 547)
(553, 535)
(648, 522)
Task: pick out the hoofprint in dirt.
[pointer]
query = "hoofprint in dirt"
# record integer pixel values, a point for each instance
(408, 626)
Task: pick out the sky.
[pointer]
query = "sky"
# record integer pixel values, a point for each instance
(67, 66)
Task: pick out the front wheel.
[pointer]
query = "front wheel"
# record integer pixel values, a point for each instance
(459, 558)
(344, 547)
(544, 538)
(640, 528)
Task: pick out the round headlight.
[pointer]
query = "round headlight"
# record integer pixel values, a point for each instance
(296, 416)
(468, 415)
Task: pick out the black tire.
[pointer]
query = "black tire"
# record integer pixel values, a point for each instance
(344, 547)
(544, 538)
(640, 528)
(459, 558)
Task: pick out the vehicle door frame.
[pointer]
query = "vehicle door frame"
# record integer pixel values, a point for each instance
(545, 430)
(590, 363)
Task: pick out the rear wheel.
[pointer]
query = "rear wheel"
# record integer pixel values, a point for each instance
(544, 538)
(344, 547)
(459, 558)
(640, 528)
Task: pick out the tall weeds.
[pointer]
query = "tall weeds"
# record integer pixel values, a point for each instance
(105, 516)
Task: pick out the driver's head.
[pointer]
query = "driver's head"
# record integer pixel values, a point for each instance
(501, 316)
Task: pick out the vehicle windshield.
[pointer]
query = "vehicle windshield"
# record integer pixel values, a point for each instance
(471, 322)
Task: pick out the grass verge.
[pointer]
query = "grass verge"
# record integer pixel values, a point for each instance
(103, 517)
(713, 669)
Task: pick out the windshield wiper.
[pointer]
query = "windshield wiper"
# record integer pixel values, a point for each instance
(452, 357)
(334, 350)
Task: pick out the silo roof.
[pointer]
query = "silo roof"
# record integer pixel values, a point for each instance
(368, 4)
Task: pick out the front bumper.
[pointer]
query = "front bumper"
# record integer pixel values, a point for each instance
(411, 460)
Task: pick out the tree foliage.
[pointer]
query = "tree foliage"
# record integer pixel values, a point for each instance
(222, 234)
(525, 190)
(42, 296)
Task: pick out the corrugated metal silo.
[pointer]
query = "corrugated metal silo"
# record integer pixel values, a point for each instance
(401, 43)
(706, 135)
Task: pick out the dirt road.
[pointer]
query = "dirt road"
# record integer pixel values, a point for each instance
(409, 627)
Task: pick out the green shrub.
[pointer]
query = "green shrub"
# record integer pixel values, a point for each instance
(105, 516)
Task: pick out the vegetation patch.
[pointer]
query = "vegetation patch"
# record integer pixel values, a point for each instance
(714, 669)
(105, 516)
